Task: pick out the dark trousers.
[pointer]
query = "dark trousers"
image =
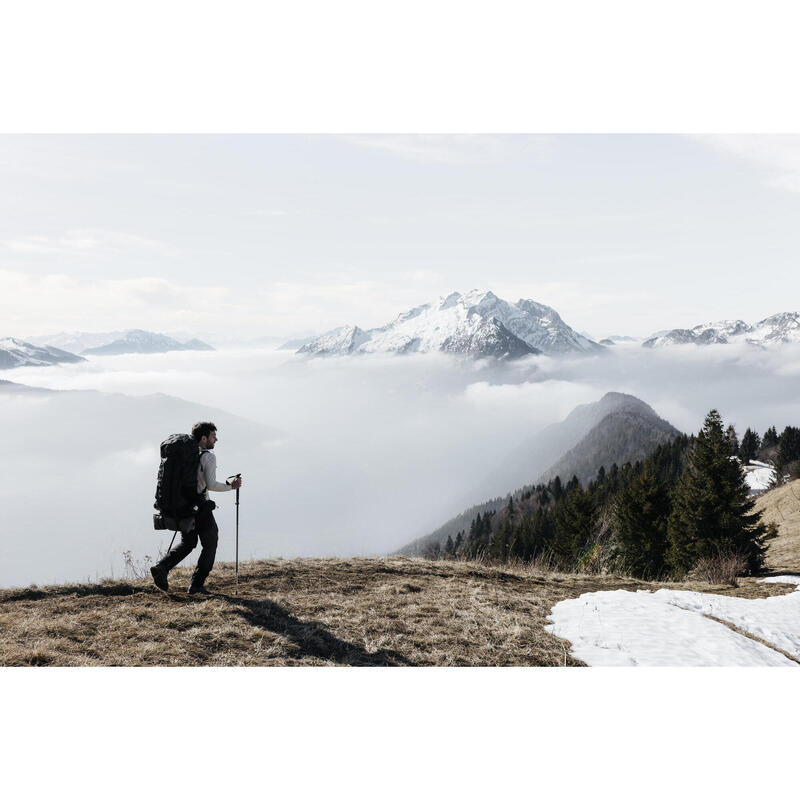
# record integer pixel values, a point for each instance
(206, 531)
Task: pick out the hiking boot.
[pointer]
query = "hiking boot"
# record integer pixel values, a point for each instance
(198, 590)
(160, 577)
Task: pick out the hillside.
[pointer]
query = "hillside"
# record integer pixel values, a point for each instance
(618, 428)
(782, 506)
(624, 436)
(309, 612)
(17, 353)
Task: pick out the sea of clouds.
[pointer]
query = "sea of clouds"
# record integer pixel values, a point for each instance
(341, 456)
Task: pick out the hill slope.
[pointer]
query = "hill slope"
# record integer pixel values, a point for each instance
(623, 436)
(17, 353)
(618, 428)
(308, 612)
(782, 506)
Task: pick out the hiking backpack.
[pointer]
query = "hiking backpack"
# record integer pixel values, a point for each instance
(176, 488)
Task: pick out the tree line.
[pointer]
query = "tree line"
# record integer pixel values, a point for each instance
(661, 516)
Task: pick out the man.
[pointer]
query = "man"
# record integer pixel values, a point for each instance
(205, 528)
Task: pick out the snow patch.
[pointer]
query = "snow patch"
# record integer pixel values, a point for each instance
(670, 628)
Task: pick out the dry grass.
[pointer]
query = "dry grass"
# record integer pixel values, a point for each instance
(393, 611)
(782, 506)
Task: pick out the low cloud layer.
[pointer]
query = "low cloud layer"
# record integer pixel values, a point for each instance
(341, 456)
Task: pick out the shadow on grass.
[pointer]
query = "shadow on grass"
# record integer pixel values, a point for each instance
(115, 589)
(311, 638)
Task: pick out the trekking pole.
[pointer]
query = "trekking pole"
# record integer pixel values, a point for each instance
(239, 475)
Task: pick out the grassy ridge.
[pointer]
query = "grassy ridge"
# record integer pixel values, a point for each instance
(366, 612)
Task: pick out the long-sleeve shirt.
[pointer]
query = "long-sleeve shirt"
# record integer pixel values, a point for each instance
(207, 475)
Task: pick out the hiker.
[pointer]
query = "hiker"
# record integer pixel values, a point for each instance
(205, 529)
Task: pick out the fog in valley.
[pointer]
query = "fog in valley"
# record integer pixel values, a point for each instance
(340, 456)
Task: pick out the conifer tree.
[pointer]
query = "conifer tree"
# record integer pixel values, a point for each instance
(780, 471)
(500, 544)
(642, 511)
(733, 440)
(574, 525)
(770, 438)
(749, 446)
(789, 444)
(712, 512)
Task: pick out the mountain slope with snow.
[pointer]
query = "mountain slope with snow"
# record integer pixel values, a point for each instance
(18, 353)
(138, 341)
(117, 342)
(783, 328)
(477, 324)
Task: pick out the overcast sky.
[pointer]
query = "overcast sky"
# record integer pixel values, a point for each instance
(246, 236)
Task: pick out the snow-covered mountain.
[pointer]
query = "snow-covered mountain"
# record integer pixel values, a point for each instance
(17, 353)
(783, 328)
(138, 341)
(76, 341)
(476, 324)
(128, 341)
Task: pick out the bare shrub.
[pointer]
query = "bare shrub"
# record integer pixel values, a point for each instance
(136, 568)
(721, 568)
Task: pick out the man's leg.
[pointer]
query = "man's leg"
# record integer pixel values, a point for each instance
(187, 543)
(208, 534)
(159, 571)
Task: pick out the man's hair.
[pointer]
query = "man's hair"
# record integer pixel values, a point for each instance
(201, 429)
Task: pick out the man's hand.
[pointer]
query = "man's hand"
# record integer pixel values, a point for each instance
(236, 483)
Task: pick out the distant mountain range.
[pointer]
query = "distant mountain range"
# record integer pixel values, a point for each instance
(478, 324)
(137, 341)
(118, 342)
(17, 353)
(783, 328)
(619, 428)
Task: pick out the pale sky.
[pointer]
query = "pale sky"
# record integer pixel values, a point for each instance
(255, 235)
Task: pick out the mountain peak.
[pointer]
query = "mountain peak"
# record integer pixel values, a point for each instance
(478, 323)
(781, 328)
(449, 301)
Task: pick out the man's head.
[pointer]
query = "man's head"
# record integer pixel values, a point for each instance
(205, 433)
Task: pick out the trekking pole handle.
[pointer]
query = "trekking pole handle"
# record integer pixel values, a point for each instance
(234, 477)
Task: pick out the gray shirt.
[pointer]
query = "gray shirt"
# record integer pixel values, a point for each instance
(207, 474)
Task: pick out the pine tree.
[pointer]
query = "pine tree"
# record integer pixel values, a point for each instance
(450, 547)
(574, 526)
(733, 440)
(499, 547)
(712, 512)
(770, 438)
(789, 444)
(778, 474)
(749, 446)
(642, 511)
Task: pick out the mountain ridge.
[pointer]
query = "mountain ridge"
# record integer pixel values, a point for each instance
(777, 329)
(478, 324)
(19, 353)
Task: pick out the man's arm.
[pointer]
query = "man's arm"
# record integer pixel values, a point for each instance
(210, 471)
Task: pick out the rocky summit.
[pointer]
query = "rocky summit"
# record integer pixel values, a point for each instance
(478, 324)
